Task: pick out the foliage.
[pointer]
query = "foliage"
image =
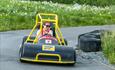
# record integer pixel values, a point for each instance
(21, 14)
(109, 46)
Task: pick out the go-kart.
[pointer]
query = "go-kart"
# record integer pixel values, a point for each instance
(46, 48)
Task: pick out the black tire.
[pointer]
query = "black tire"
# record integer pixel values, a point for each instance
(90, 42)
(66, 43)
(24, 39)
(74, 57)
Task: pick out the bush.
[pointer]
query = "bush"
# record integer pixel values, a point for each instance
(89, 2)
(108, 44)
(21, 14)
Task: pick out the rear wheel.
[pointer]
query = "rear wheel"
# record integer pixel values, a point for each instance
(66, 43)
(24, 39)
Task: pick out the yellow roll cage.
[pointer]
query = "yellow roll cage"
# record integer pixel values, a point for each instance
(40, 19)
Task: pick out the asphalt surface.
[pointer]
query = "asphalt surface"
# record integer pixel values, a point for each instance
(11, 40)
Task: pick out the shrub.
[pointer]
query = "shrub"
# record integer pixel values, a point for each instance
(108, 44)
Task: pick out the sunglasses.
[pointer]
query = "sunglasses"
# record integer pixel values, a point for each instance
(47, 26)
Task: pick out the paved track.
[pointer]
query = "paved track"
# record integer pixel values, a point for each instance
(11, 40)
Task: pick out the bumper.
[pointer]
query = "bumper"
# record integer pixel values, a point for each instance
(48, 61)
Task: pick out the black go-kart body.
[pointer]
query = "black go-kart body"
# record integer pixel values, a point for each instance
(47, 50)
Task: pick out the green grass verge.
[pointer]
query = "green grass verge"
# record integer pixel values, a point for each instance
(108, 43)
(21, 14)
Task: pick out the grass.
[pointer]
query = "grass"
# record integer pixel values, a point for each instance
(21, 14)
(108, 43)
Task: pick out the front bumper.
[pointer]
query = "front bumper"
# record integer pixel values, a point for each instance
(48, 61)
(36, 59)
